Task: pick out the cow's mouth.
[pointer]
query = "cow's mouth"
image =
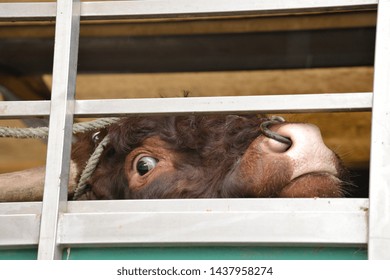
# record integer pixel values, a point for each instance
(314, 184)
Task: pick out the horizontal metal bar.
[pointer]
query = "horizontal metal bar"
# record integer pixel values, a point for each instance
(217, 205)
(240, 104)
(200, 105)
(16, 208)
(27, 11)
(228, 222)
(193, 221)
(169, 8)
(253, 51)
(20, 224)
(17, 109)
(19, 230)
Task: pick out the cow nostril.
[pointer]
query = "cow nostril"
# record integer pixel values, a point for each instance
(277, 146)
(273, 135)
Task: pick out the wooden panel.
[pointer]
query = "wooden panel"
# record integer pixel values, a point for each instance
(25, 87)
(189, 53)
(298, 81)
(187, 26)
(18, 154)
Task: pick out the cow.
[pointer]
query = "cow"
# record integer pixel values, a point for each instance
(208, 156)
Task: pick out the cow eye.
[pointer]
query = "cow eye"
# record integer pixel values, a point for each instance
(145, 164)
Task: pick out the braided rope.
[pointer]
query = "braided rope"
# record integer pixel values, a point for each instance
(29, 132)
(42, 132)
(90, 168)
(92, 125)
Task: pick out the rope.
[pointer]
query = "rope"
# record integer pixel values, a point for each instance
(90, 168)
(42, 132)
(92, 125)
(29, 132)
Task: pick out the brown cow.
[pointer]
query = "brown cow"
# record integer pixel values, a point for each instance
(209, 157)
(197, 157)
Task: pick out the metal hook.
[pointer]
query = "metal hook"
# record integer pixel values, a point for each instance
(96, 137)
(271, 134)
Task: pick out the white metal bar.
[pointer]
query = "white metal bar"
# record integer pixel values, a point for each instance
(194, 222)
(168, 8)
(242, 104)
(219, 205)
(16, 208)
(379, 234)
(19, 224)
(17, 109)
(60, 126)
(19, 230)
(27, 11)
(224, 221)
(239, 104)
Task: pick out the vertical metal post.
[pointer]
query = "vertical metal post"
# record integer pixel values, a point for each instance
(379, 217)
(60, 126)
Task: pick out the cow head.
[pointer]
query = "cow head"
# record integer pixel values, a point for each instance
(209, 157)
